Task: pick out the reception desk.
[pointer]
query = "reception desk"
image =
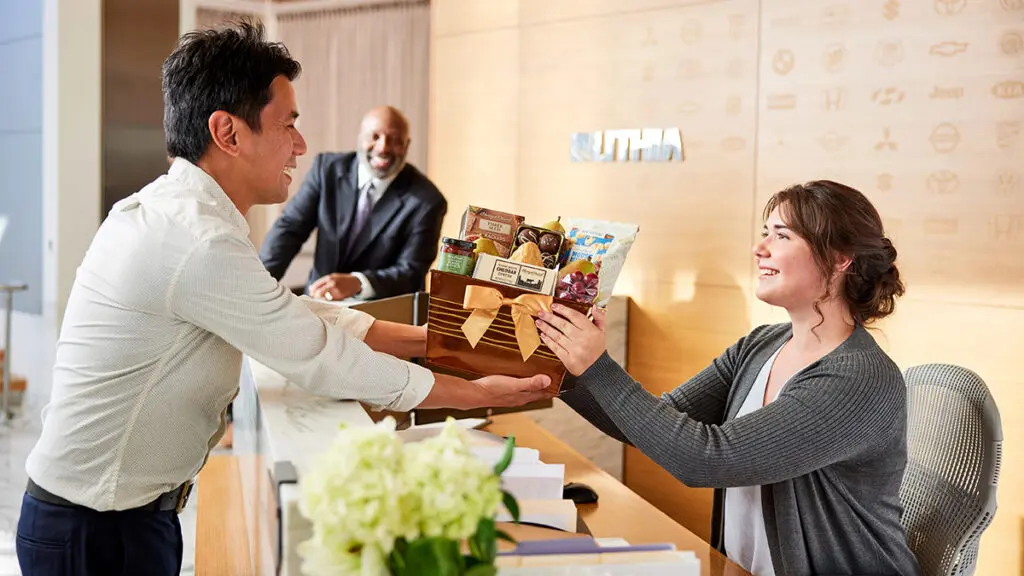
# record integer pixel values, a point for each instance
(248, 520)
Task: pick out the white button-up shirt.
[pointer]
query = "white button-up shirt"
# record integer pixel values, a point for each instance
(170, 295)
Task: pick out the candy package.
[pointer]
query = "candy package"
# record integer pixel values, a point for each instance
(596, 244)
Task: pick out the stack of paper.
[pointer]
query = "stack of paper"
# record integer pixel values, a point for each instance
(536, 486)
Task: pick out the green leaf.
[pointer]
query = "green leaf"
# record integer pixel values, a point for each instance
(511, 505)
(474, 548)
(396, 563)
(485, 539)
(502, 535)
(506, 456)
(482, 570)
(396, 560)
(433, 557)
(456, 554)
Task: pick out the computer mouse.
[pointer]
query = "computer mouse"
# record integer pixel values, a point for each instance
(579, 493)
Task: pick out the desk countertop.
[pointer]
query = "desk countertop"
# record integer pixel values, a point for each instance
(277, 421)
(619, 512)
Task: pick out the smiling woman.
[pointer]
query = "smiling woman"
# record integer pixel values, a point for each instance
(800, 427)
(840, 233)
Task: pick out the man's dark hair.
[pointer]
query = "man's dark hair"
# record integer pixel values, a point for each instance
(228, 68)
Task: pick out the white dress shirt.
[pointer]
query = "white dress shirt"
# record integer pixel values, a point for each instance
(745, 540)
(380, 186)
(170, 295)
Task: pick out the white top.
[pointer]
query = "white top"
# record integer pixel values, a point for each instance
(380, 186)
(745, 539)
(169, 296)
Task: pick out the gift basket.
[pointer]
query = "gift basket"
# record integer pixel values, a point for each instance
(492, 281)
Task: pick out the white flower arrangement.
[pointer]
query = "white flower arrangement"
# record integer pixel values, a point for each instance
(379, 506)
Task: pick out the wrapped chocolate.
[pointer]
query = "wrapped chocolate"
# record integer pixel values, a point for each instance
(549, 242)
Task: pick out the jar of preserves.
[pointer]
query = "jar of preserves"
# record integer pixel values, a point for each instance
(457, 256)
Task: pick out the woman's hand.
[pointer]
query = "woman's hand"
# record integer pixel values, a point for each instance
(576, 341)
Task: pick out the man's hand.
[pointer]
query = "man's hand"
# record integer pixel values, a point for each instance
(336, 287)
(505, 391)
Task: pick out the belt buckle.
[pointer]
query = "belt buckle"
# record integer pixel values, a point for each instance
(186, 490)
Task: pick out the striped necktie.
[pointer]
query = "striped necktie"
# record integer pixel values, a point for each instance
(364, 207)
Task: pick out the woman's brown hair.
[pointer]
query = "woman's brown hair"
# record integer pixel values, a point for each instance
(836, 219)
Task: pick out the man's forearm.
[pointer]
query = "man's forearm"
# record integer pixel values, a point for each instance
(396, 339)
(452, 392)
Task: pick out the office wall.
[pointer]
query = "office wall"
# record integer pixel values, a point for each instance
(137, 37)
(21, 149)
(919, 105)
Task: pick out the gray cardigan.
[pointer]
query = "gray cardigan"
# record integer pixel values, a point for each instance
(828, 453)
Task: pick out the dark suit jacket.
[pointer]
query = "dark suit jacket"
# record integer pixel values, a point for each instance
(397, 245)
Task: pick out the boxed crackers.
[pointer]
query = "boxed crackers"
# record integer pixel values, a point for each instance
(498, 227)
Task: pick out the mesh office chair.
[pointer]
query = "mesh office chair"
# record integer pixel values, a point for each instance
(954, 449)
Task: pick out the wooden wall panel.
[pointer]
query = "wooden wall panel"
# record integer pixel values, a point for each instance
(626, 74)
(922, 112)
(474, 121)
(541, 11)
(473, 16)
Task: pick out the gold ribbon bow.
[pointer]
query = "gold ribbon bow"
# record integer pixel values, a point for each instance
(486, 302)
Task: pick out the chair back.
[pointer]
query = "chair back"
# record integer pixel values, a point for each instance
(954, 451)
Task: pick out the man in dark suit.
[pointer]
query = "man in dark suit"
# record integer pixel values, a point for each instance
(378, 219)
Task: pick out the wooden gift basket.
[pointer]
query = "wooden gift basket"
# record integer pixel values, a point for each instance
(449, 350)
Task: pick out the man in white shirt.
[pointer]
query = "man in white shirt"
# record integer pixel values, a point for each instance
(170, 295)
(377, 218)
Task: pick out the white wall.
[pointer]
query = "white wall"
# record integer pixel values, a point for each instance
(21, 150)
(71, 140)
(71, 178)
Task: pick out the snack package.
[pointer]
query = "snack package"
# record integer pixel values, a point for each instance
(498, 227)
(605, 245)
(587, 245)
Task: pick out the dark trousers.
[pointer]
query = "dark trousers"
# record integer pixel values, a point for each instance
(71, 541)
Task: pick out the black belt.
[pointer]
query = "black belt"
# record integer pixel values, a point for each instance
(174, 500)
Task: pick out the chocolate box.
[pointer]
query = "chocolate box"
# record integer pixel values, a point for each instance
(448, 349)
